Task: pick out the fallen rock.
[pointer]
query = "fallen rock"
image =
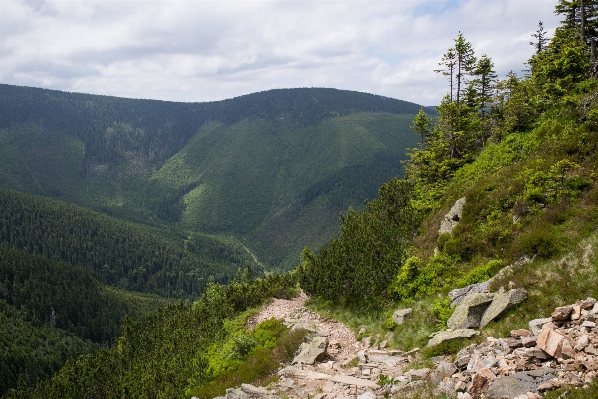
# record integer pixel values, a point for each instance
(519, 383)
(450, 335)
(400, 315)
(536, 325)
(469, 312)
(550, 342)
(501, 303)
(452, 218)
(562, 313)
(457, 295)
(360, 382)
(314, 350)
(479, 385)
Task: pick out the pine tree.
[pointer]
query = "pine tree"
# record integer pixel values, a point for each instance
(421, 125)
(483, 84)
(541, 39)
(448, 62)
(465, 62)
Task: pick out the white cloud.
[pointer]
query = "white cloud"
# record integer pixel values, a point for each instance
(211, 50)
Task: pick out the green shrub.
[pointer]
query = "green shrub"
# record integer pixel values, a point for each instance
(480, 273)
(441, 308)
(542, 241)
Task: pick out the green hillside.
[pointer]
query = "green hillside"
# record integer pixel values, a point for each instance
(168, 262)
(527, 169)
(274, 169)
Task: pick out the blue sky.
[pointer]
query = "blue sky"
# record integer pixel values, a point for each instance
(212, 50)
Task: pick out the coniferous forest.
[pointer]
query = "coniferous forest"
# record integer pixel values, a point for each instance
(144, 290)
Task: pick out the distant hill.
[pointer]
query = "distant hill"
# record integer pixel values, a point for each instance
(274, 169)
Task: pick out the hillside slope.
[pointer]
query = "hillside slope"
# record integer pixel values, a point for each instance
(273, 168)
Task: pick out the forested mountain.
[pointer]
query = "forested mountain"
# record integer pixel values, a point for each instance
(520, 154)
(274, 168)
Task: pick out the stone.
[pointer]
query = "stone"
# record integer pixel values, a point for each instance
(460, 386)
(501, 303)
(446, 369)
(528, 342)
(313, 351)
(444, 336)
(367, 395)
(588, 303)
(294, 372)
(567, 351)
(400, 315)
(582, 342)
(252, 390)
(550, 342)
(360, 382)
(452, 218)
(520, 333)
(468, 313)
(479, 385)
(457, 295)
(535, 326)
(594, 309)
(418, 374)
(519, 383)
(562, 313)
(464, 395)
(589, 324)
(575, 312)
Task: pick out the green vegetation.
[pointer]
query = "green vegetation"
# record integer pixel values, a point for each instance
(134, 257)
(273, 169)
(165, 355)
(525, 159)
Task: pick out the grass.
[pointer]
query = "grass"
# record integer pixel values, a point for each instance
(260, 367)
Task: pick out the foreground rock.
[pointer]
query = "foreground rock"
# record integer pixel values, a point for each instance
(451, 335)
(558, 351)
(312, 351)
(452, 218)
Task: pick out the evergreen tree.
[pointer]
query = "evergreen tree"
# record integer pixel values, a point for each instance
(483, 84)
(465, 62)
(448, 63)
(421, 125)
(540, 38)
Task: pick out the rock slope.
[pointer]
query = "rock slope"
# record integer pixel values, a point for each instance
(555, 351)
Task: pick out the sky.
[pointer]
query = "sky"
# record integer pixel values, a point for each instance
(196, 51)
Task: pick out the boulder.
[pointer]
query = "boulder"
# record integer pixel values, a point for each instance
(501, 303)
(550, 342)
(562, 313)
(450, 335)
(468, 313)
(479, 385)
(519, 383)
(314, 350)
(400, 315)
(535, 326)
(452, 218)
(457, 295)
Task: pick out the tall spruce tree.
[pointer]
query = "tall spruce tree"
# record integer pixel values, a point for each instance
(540, 38)
(465, 62)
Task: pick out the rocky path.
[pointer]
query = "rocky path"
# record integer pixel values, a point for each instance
(556, 351)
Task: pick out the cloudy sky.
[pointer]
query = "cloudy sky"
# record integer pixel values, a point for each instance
(211, 50)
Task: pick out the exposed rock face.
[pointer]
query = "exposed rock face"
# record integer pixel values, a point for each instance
(450, 335)
(456, 296)
(502, 302)
(452, 218)
(468, 314)
(400, 315)
(312, 351)
(519, 383)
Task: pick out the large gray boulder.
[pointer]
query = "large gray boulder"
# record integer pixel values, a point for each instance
(468, 313)
(451, 219)
(519, 383)
(312, 351)
(450, 335)
(502, 302)
(400, 315)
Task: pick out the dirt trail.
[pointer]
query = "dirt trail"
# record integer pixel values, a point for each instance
(343, 344)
